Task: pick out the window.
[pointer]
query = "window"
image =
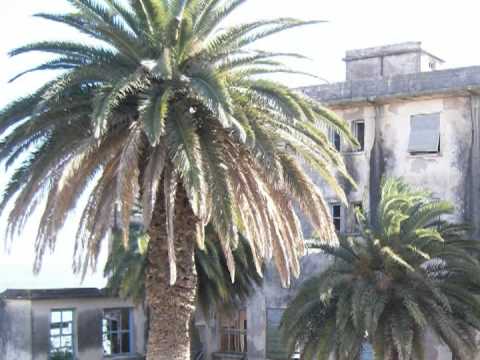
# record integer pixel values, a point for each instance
(359, 133)
(424, 134)
(275, 348)
(116, 331)
(336, 211)
(234, 332)
(61, 335)
(334, 137)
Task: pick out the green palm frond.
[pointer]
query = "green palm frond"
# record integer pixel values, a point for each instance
(169, 91)
(125, 270)
(410, 273)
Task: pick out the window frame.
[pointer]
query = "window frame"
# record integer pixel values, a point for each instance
(60, 335)
(332, 205)
(119, 332)
(354, 125)
(438, 152)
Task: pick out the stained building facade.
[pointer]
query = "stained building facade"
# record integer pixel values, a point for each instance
(69, 324)
(413, 120)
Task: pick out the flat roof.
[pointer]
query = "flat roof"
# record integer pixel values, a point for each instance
(459, 81)
(44, 294)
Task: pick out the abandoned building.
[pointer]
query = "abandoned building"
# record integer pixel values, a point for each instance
(412, 120)
(69, 324)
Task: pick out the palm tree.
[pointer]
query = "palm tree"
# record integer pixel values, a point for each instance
(125, 270)
(410, 272)
(169, 106)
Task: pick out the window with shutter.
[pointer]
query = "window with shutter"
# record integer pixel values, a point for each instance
(424, 134)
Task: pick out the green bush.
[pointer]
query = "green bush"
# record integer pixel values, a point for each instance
(61, 355)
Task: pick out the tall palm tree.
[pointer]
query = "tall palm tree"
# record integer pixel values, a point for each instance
(169, 105)
(125, 270)
(409, 272)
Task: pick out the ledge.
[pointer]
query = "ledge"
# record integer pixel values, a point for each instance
(460, 81)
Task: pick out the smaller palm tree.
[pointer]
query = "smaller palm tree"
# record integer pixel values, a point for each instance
(125, 270)
(408, 272)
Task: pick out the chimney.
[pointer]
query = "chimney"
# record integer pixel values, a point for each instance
(389, 60)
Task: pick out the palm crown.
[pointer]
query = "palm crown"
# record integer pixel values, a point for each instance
(410, 272)
(168, 99)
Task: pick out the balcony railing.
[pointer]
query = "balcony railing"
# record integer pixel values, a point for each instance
(233, 340)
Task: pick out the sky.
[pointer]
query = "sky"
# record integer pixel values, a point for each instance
(446, 28)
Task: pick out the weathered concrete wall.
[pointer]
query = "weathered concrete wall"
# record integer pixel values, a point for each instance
(401, 64)
(388, 60)
(273, 296)
(15, 330)
(444, 173)
(87, 325)
(364, 69)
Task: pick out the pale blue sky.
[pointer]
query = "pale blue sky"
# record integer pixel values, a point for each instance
(446, 28)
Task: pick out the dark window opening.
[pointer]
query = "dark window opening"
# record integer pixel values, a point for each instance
(116, 331)
(359, 132)
(336, 210)
(335, 139)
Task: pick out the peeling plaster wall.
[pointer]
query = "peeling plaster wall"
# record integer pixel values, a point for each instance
(25, 324)
(387, 131)
(272, 296)
(445, 174)
(15, 330)
(87, 325)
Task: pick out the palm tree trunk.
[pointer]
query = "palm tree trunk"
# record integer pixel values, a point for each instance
(171, 307)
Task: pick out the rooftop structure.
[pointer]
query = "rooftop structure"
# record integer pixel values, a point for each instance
(389, 60)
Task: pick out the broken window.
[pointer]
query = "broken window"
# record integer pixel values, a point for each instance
(336, 212)
(359, 133)
(335, 140)
(424, 134)
(61, 335)
(116, 331)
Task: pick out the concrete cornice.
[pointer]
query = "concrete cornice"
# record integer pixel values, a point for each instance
(450, 82)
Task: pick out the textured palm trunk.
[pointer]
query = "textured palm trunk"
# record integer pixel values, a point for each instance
(171, 307)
